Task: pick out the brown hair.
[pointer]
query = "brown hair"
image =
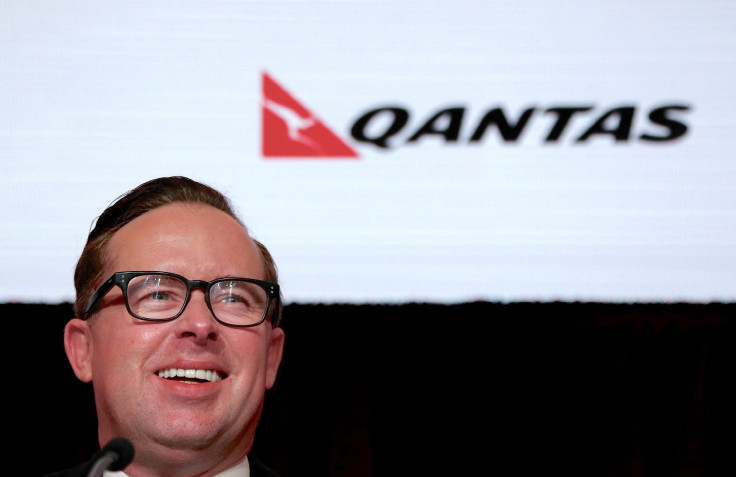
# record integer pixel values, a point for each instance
(150, 195)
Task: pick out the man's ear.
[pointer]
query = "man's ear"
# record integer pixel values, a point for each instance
(78, 346)
(275, 352)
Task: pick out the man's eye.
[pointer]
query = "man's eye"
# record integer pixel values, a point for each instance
(230, 298)
(158, 295)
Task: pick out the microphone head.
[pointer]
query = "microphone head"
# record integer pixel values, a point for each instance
(124, 449)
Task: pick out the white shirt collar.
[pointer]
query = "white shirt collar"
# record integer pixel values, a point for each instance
(242, 469)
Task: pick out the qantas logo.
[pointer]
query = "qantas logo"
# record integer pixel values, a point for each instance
(290, 130)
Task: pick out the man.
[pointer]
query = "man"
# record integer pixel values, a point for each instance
(176, 326)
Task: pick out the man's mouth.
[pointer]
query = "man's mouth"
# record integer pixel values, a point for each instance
(193, 376)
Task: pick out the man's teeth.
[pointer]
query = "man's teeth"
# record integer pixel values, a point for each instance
(204, 374)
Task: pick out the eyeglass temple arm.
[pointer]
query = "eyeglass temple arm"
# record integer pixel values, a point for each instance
(104, 288)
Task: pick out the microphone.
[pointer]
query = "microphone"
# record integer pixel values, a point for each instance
(116, 455)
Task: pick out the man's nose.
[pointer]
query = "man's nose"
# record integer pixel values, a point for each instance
(197, 320)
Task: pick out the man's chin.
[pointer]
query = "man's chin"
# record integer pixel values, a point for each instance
(187, 437)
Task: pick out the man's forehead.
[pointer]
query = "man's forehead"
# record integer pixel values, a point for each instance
(184, 236)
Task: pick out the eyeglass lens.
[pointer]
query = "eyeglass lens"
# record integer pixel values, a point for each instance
(161, 297)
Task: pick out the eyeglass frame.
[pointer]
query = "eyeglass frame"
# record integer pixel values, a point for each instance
(121, 279)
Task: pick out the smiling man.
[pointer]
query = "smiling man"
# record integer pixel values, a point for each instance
(176, 327)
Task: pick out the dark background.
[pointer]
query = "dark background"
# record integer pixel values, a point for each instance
(517, 389)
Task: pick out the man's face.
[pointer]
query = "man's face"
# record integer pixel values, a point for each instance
(124, 356)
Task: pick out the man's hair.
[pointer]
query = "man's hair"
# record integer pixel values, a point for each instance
(91, 268)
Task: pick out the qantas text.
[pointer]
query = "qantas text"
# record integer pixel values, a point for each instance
(386, 127)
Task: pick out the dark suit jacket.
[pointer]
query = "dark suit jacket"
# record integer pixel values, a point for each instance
(257, 469)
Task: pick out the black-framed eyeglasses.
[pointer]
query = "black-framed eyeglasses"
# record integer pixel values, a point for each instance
(163, 296)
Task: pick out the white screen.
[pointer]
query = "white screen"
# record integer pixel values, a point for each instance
(97, 97)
